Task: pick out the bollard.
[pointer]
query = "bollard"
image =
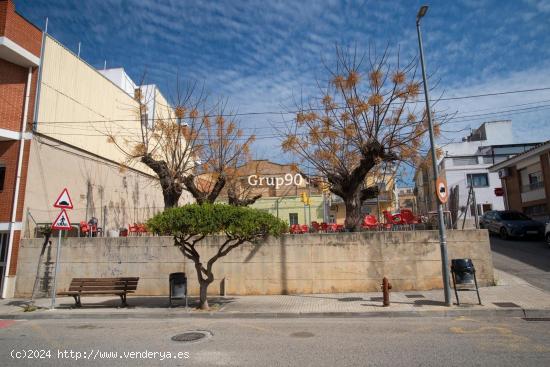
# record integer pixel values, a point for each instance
(386, 286)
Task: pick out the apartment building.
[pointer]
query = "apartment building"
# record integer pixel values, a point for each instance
(466, 164)
(56, 114)
(526, 181)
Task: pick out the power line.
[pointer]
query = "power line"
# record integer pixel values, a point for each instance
(452, 120)
(256, 113)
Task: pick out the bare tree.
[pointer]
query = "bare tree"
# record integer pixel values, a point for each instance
(366, 116)
(191, 146)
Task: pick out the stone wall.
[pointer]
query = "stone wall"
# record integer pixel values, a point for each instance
(343, 262)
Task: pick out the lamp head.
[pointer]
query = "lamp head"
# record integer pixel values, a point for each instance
(421, 12)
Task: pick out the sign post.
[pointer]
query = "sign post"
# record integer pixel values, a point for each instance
(61, 223)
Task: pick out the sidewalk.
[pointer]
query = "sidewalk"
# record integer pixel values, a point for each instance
(512, 297)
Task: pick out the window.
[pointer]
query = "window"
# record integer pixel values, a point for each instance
(2, 177)
(465, 161)
(535, 209)
(535, 180)
(477, 179)
(293, 218)
(535, 177)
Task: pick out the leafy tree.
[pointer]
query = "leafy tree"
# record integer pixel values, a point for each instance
(366, 117)
(190, 224)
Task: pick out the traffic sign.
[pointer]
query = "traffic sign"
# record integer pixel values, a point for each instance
(441, 190)
(62, 222)
(64, 200)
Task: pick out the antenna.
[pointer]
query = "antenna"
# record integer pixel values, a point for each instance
(78, 50)
(105, 65)
(46, 27)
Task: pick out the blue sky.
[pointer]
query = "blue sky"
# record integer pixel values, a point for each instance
(262, 53)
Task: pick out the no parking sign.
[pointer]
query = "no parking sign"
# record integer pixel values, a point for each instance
(441, 190)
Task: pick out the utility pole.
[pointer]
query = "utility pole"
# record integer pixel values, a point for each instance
(442, 237)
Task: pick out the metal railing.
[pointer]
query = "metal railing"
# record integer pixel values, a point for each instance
(532, 186)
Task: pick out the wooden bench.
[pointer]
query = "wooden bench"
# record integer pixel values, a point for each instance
(97, 286)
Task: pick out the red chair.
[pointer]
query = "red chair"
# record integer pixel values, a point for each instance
(324, 227)
(84, 229)
(133, 229)
(408, 217)
(339, 228)
(142, 229)
(333, 227)
(370, 222)
(392, 220)
(295, 229)
(304, 228)
(315, 226)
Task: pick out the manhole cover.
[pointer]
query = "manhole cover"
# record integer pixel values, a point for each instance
(302, 334)
(191, 336)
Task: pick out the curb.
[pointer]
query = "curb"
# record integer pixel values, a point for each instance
(508, 312)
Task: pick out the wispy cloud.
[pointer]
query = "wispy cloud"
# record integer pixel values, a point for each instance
(262, 53)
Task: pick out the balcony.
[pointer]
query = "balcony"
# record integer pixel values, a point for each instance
(532, 192)
(532, 186)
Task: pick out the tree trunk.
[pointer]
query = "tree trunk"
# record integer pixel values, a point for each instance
(171, 190)
(203, 298)
(353, 211)
(171, 198)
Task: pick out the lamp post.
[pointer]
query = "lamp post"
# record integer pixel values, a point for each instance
(442, 237)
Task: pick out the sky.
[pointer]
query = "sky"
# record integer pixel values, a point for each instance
(261, 55)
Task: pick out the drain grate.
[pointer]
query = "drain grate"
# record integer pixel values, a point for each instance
(414, 296)
(191, 336)
(536, 318)
(505, 304)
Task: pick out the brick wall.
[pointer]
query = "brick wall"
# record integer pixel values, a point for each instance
(18, 29)
(13, 79)
(9, 151)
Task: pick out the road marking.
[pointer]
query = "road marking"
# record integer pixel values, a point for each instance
(6, 323)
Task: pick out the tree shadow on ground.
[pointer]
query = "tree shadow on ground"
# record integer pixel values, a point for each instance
(146, 302)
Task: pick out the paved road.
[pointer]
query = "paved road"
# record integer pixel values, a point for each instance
(527, 259)
(287, 342)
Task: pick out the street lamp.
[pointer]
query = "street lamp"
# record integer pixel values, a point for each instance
(442, 237)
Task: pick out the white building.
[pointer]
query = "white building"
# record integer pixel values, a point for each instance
(467, 163)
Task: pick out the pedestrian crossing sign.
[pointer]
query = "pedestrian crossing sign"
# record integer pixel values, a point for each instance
(62, 222)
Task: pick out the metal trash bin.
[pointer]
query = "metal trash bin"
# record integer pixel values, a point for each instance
(464, 273)
(178, 287)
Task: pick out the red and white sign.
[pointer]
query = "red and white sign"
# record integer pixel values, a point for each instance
(62, 222)
(64, 200)
(441, 187)
(499, 191)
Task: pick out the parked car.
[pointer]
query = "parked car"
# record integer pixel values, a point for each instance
(547, 233)
(510, 223)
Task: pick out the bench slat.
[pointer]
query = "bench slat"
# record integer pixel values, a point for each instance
(102, 285)
(80, 284)
(70, 293)
(104, 279)
(87, 288)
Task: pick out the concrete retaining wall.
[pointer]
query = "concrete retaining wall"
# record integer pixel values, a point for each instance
(344, 262)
